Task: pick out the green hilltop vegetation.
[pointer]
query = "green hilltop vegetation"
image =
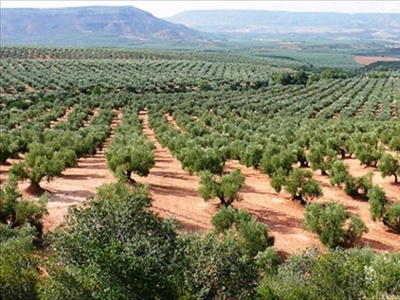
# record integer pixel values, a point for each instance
(286, 115)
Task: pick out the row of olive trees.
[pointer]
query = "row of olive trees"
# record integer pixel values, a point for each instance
(197, 157)
(52, 151)
(129, 151)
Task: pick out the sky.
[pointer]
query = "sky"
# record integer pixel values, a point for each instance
(163, 9)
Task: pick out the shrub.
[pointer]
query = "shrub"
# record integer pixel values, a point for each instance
(329, 222)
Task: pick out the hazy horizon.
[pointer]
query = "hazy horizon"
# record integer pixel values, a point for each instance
(164, 9)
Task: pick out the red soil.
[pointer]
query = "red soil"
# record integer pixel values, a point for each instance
(174, 194)
(366, 60)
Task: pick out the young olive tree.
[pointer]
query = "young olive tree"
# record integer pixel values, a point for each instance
(392, 217)
(339, 173)
(132, 156)
(226, 188)
(334, 225)
(254, 236)
(43, 161)
(377, 200)
(320, 158)
(15, 211)
(389, 166)
(299, 184)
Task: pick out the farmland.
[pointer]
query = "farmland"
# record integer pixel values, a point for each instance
(73, 120)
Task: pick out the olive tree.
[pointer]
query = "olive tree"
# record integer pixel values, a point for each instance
(134, 155)
(254, 236)
(392, 217)
(377, 200)
(389, 166)
(299, 184)
(43, 161)
(226, 187)
(15, 211)
(334, 225)
(339, 173)
(195, 159)
(8, 147)
(320, 157)
(113, 247)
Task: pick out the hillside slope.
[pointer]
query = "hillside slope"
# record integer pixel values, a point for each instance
(88, 25)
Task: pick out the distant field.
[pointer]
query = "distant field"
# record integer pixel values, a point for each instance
(366, 60)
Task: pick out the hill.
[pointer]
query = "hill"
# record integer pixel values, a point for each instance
(374, 26)
(100, 25)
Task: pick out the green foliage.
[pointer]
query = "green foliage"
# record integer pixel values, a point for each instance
(43, 161)
(341, 274)
(339, 173)
(330, 73)
(252, 155)
(291, 280)
(368, 154)
(338, 274)
(301, 185)
(377, 200)
(196, 159)
(392, 217)
(329, 222)
(16, 211)
(113, 248)
(205, 86)
(358, 186)
(133, 155)
(225, 188)
(253, 236)
(319, 158)
(18, 265)
(214, 267)
(268, 261)
(389, 166)
(283, 78)
(96, 90)
(277, 160)
(8, 147)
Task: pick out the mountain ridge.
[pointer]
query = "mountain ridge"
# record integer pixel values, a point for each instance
(94, 23)
(340, 25)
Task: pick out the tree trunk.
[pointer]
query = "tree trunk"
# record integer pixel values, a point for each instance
(298, 197)
(128, 176)
(13, 219)
(396, 179)
(304, 163)
(223, 202)
(343, 153)
(34, 188)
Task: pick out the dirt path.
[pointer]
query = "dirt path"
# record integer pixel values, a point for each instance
(174, 192)
(76, 184)
(64, 118)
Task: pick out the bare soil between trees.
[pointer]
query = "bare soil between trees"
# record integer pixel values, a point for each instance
(174, 194)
